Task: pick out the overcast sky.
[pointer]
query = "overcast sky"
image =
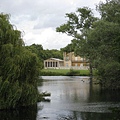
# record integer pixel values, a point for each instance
(39, 19)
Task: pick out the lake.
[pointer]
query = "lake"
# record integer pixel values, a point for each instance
(72, 98)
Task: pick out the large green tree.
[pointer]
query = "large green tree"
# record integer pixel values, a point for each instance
(18, 68)
(105, 39)
(78, 25)
(98, 40)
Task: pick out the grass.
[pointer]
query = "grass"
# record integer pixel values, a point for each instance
(64, 72)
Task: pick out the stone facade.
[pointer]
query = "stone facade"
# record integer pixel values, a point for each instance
(70, 61)
(53, 63)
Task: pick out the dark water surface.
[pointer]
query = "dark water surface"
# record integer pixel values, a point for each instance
(72, 98)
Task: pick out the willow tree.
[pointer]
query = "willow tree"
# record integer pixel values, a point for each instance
(18, 68)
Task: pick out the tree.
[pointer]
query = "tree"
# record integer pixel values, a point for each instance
(38, 50)
(78, 26)
(106, 40)
(19, 68)
(110, 11)
(98, 40)
(53, 54)
(103, 45)
(44, 54)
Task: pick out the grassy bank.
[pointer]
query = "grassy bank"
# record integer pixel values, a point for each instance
(64, 72)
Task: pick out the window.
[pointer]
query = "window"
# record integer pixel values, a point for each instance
(67, 58)
(76, 64)
(81, 64)
(76, 58)
(82, 59)
(66, 64)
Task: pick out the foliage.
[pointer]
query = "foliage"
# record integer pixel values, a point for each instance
(68, 48)
(78, 25)
(38, 50)
(105, 39)
(109, 75)
(110, 11)
(98, 40)
(44, 54)
(53, 54)
(18, 68)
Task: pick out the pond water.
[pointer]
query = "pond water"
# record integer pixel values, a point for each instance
(72, 98)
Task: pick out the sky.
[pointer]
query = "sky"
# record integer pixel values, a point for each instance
(38, 19)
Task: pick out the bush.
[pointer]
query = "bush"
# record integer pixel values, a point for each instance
(110, 75)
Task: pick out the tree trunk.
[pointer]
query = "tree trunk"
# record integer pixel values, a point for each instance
(91, 72)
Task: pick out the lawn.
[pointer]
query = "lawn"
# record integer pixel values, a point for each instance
(64, 72)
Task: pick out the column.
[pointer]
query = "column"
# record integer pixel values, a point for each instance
(52, 64)
(55, 64)
(47, 64)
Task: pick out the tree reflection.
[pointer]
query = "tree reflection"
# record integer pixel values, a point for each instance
(88, 116)
(28, 113)
(99, 95)
(98, 116)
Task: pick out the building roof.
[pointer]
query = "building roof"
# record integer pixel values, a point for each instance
(54, 59)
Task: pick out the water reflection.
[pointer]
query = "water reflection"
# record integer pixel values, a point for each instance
(97, 95)
(56, 114)
(72, 98)
(98, 116)
(75, 98)
(19, 114)
(67, 90)
(88, 116)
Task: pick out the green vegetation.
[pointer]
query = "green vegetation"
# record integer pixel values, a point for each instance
(45, 54)
(64, 72)
(19, 68)
(97, 39)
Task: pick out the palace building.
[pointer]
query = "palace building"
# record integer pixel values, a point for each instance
(70, 61)
(53, 63)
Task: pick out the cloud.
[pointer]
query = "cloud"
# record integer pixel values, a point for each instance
(48, 38)
(39, 18)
